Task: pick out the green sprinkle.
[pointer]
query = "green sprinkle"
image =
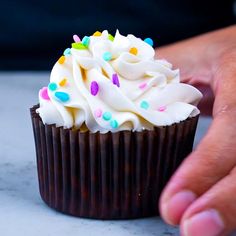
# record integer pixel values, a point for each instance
(114, 124)
(79, 46)
(110, 37)
(85, 41)
(52, 86)
(107, 115)
(144, 105)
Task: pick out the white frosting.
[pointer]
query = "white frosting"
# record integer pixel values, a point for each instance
(143, 80)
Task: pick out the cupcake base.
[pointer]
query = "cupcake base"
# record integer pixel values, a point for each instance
(108, 176)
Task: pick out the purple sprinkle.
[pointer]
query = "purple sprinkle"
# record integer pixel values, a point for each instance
(115, 80)
(94, 88)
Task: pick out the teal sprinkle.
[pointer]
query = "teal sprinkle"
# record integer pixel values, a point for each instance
(85, 41)
(149, 41)
(114, 124)
(107, 56)
(67, 52)
(52, 86)
(144, 105)
(107, 115)
(63, 97)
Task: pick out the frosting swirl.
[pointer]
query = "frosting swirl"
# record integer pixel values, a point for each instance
(112, 84)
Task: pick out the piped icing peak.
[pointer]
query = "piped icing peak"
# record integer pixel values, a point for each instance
(108, 83)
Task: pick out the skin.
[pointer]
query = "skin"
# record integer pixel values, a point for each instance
(209, 63)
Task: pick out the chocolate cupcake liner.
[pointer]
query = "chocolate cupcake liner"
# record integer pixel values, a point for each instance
(108, 176)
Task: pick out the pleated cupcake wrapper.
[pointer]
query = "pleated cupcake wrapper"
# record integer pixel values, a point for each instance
(108, 176)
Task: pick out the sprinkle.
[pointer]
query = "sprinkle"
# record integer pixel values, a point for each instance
(94, 87)
(110, 37)
(133, 51)
(62, 60)
(63, 97)
(52, 86)
(78, 46)
(98, 113)
(107, 115)
(144, 105)
(67, 52)
(76, 38)
(44, 93)
(115, 80)
(97, 34)
(142, 85)
(107, 56)
(85, 41)
(149, 41)
(114, 124)
(63, 82)
(162, 108)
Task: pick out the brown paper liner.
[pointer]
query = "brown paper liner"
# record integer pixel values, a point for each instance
(108, 176)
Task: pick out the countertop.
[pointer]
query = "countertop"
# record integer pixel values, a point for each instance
(22, 212)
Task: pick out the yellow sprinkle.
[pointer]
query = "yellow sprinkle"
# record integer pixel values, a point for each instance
(62, 60)
(133, 51)
(97, 33)
(63, 82)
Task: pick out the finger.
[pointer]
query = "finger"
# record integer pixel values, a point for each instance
(206, 104)
(192, 72)
(224, 83)
(213, 159)
(189, 56)
(214, 213)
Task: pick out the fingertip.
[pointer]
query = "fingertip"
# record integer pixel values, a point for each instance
(207, 223)
(173, 209)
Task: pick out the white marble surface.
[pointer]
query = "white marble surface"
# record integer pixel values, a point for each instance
(22, 212)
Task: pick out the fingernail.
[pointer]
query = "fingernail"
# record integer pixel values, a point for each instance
(207, 223)
(173, 209)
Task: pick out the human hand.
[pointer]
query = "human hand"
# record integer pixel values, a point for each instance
(201, 194)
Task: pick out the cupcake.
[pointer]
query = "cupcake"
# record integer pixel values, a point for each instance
(111, 127)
